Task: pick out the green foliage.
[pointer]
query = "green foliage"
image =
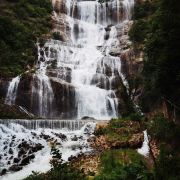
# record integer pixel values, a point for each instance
(122, 165)
(156, 32)
(136, 117)
(100, 131)
(162, 65)
(143, 9)
(21, 23)
(138, 31)
(120, 130)
(164, 131)
(35, 176)
(59, 170)
(167, 165)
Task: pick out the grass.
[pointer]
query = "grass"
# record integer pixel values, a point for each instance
(119, 129)
(122, 164)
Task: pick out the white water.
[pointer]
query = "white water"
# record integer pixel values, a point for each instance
(144, 150)
(93, 69)
(41, 162)
(93, 72)
(12, 91)
(84, 61)
(42, 93)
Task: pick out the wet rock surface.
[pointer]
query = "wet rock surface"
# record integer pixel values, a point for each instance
(22, 146)
(64, 98)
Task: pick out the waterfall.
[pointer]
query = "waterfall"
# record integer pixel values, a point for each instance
(71, 125)
(83, 62)
(93, 69)
(144, 150)
(42, 93)
(86, 57)
(12, 91)
(75, 78)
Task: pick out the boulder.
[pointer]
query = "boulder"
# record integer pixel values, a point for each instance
(27, 159)
(15, 168)
(3, 172)
(115, 52)
(63, 137)
(21, 152)
(75, 138)
(136, 140)
(37, 147)
(10, 151)
(16, 160)
(88, 118)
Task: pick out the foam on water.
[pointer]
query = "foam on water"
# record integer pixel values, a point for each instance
(12, 134)
(144, 150)
(84, 61)
(12, 91)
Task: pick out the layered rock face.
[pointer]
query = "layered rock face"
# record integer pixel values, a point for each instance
(80, 74)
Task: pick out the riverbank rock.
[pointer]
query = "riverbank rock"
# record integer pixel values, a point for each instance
(88, 163)
(27, 159)
(154, 148)
(3, 172)
(15, 168)
(136, 140)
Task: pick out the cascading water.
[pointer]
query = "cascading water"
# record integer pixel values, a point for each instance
(93, 69)
(42, 93)
(12, 91)
(144, 150)
(86, 67)
(84, 62)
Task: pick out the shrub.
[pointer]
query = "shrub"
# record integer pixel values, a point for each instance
(167, 165)
(122, 165)
(138, 31)
(21, 23)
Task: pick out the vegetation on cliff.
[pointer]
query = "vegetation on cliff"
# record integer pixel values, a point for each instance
(166, 134)
(21, 23)
(156, 32)
(120, 133)
(123, 165)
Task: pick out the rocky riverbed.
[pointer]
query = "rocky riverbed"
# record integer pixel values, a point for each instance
(23, 150)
